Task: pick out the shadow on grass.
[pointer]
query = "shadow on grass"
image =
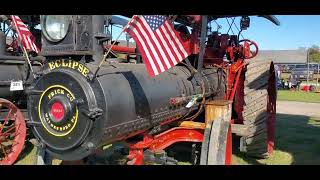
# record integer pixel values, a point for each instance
(297, 136)
(26, 154)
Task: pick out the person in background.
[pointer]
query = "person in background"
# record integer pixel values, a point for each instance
(294, 83)
(277, 71)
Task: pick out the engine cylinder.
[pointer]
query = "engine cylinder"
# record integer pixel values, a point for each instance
(76, 115)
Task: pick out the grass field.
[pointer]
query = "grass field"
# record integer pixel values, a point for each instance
(297, 142)
(301, 96)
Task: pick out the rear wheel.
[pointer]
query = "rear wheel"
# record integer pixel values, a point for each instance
(12, 132)
(259, 108)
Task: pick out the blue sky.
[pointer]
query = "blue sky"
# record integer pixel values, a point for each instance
(295, 31)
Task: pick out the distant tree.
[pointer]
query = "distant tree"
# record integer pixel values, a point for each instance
(314, 54)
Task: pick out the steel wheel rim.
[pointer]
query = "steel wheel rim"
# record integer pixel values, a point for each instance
(12, 133)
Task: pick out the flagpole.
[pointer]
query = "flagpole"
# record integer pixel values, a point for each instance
(28, 61)
(105, 55)
(21, 45)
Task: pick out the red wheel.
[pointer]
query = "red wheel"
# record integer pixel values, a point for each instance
(12, 132)
(248, 54)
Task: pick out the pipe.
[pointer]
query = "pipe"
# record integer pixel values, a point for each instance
(202, 41)
(122, 49)
(2, 43)
(21, 58)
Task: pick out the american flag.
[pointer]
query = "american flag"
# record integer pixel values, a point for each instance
(25, 36)
(158, 42)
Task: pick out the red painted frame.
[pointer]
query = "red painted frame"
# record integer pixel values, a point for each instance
(162, 141)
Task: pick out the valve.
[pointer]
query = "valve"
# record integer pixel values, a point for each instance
(247, 53)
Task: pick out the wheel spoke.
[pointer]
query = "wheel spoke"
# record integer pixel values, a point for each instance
(3, 150)
(6, 120)
(8, 130)
(12, 132)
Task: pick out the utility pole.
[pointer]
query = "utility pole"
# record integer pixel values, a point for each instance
(318, 76)
(308, 66)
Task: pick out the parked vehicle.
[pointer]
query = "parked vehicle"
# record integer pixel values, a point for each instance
(302, 74)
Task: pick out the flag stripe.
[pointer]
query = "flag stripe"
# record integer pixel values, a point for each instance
(24, 35)
(23, 28)
(181, 48)
(150, 43)
(178, 51)
(26, 41)
(159, 59)
(30, 42)
(166, 47)
(168, 41)
(160, 45)
(147, 63)
(20, 22)
(159, 48)
(174, 48)
(146, 51)
(149, 51)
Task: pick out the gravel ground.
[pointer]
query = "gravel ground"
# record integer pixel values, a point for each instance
(299, 108)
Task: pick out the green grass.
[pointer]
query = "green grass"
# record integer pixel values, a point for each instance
(297, 142)
(301, 96)
(28, 155)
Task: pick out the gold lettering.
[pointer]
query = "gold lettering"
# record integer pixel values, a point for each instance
(70, 97)
(50, 95)
(74, 65)
(80, 68)
(69, 64)
(64, 64)
(58, 63)
(51, 65)
(85, 71)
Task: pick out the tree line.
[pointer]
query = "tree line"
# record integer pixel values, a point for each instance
(314, 54)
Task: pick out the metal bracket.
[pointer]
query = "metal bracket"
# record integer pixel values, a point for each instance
(42, 158)
(33, 123)
(102, 37)
(240, 129)
(32, 91)
(93, 113)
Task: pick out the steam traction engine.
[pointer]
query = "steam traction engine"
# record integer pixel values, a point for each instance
(72, 111)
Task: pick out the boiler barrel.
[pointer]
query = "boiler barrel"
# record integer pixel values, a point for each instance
(13, 70)
(76, 115)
